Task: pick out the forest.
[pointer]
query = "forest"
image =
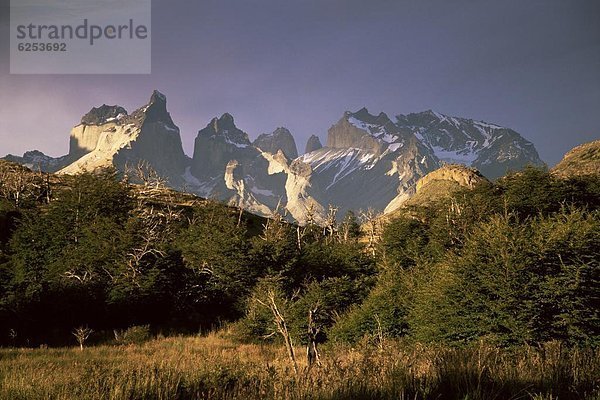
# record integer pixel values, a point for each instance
(96, 259)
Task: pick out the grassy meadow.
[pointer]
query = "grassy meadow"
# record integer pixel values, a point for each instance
(213, 367)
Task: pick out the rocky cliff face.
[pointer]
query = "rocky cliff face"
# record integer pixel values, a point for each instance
(313, 143)
(108, 136)
(456, 173)
(492, 149)
(218, 143)
(36, 160)
(228, 166)
(440, 184)
(158, 140)
(581, 160)
(370, 160)
(372, 164)
(361, 130)
(279, 139)
(84, 137)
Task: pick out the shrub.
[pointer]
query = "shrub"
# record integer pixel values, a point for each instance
(136, 334)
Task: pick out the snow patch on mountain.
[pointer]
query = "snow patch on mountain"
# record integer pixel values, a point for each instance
(376, 130)
(369, 160)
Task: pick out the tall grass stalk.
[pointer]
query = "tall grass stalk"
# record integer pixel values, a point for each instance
(213, 367)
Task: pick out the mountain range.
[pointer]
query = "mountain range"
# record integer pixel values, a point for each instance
(369, 161)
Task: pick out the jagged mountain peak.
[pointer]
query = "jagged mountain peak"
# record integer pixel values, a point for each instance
(223, 128)
(225, 121)
(223, 124)
(220, 142)
(280, 139)
(433, 113)
(103, 114)
(158, 97)
(280, 131)
(491, 148)
(370, 159)
(35, 159)
(362, 113)
(423, 117)
(365, 116)
(435, 117)
(154, 111)
(363, 130)
(313, 143)
(147, 134)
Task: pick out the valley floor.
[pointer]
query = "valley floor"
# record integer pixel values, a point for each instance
(212, 367)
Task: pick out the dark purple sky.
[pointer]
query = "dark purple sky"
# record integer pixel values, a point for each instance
(533, 66)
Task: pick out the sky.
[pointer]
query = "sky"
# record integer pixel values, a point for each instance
(533, 66)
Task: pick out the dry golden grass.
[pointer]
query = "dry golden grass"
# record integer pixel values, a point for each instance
(212, 367)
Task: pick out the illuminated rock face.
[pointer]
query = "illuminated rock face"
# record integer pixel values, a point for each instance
(370, 160)
(581, 160)
(459, 174)
(108, 136)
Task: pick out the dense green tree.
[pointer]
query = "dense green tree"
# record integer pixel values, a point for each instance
(59, 255)
(512, 262)
(404, 240)
(325, 277)
(564, 286)
(515, 281)
(216, 247)
(385, 304)
(275, 251)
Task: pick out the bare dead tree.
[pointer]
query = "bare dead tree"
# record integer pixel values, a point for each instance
(76, 223)
(274, 228)
(156, 227)
(310, 222)
(456, 227)
(310, 214)
(150, 180)
(156, 221)
(313, 330)
(47, 188)
(18, 183)
(379, 333)
(371, 222)
(118, 335)
(12, 334)
(330, 226)
(270, 302)
(240, 215)
(82, 277)
(82, 334)
(345, 230)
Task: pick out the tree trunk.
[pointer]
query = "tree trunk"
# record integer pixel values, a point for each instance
(312, 354)
(282, 328)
